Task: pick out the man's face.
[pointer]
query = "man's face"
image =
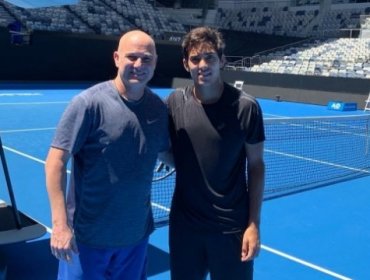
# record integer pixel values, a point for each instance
(136, 59)
(204, 65)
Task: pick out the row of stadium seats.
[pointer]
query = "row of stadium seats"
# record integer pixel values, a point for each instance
(5, 18)
(112, 17)
(316, 2)
(109, 17)
(280, 19)
(342, 57)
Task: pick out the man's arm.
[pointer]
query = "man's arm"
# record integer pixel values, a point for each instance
(256, 182)
(61, 240)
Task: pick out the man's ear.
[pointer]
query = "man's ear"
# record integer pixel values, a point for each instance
(186, 66)
(116, 58)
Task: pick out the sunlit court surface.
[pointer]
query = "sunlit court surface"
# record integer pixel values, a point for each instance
(315, 216)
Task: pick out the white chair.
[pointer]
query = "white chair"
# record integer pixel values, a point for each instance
(367, 103)
(239, 84)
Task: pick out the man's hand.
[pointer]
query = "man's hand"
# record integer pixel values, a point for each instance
(62, 243)
(251, 243)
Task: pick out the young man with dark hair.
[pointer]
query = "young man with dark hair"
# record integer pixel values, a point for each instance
(217, 137)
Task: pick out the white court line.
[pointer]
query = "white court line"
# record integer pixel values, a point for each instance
(273, 115)
(48, 229)
(161, 207)
(318, 161)
(19, 94)
(316, 128)
(305, 263)
(281, 254)
(24, 155)
(35, 103)
(27, 130)
(27, 156)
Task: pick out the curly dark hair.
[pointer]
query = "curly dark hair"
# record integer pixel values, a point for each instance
(201, 35)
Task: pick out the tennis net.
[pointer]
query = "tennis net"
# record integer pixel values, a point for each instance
(305, 153)
(300, 154)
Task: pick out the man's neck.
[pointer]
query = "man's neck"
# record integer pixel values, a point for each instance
(130, 94)
(209, 94)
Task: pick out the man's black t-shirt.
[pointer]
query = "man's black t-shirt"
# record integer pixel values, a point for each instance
(208, 142)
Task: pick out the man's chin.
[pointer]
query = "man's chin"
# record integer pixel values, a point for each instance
(204, 82)
(137, 82)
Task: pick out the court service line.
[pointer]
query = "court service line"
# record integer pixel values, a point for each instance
(23, 155)
(319, 161)
(35, 103)
(305, 263)
(19, 94)
(274, 115)
(27, 130)
(167, 209)
(161, 207)
(27, 156)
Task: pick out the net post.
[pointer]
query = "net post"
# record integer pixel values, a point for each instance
(10, 188)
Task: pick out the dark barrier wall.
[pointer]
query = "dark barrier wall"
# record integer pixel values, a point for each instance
(299, 88)
(296, 88)
(337, 84)
(57, 57)
(69, 57)
(75, 57)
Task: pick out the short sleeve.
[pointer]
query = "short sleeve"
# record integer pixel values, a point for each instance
(74, 125)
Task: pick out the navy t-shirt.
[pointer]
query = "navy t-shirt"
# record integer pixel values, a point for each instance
(114, 144)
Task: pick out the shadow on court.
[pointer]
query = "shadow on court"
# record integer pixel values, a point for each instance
(158, 261)
(29, 260)
(33, 260)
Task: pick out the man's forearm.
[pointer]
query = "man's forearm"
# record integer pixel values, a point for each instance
(56, 177)
(256, 182)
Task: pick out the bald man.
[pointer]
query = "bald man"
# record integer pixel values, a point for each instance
(113, 132)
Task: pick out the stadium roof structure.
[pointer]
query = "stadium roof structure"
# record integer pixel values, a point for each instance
(41, 3)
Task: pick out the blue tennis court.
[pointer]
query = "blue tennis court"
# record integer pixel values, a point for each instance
(313, 225)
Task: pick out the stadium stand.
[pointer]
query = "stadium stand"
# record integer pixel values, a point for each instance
(111, 17)
(344, 57)
(107, 17)
(259, 37)
(5, 17)
(307, 19)
(282, 18)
